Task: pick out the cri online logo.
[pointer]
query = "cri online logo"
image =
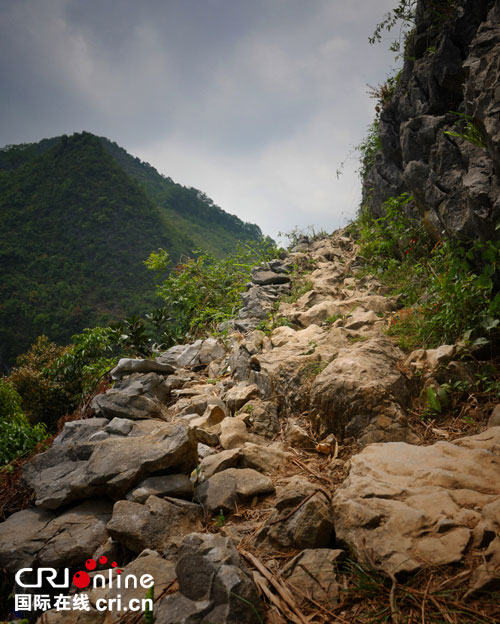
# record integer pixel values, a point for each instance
(82, 579)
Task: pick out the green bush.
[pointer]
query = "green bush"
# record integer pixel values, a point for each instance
(202, 292)
(450, 286)
(17, 436)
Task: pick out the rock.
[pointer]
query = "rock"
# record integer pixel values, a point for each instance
(311, 526)
(494, 419)
(155, 524)
(263, 277)
(222, 490)
(127, 366)
(237, 396)
(233, 433)
(216, 411)
(205, 451)
(175, 486)
(312, 573)
(119, 426)
(33, 536)
(219, 462)
(430, 359)
(214, 585)
(266, 459)
(148, 562)
(418, 506)
(135, 397)
(80, 430)
(298, 437)
(262, 416)
(362, 394)
(69, 472)
(200, 353)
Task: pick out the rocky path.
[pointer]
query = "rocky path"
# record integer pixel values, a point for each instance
(225, 468)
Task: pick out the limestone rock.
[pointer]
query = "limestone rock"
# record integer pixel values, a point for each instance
(430, 359)
(111, 467)
(134, 397)
(174, 485)
(33, 536)
(119, 426)
(155, 524)
(417, 506)
(195, 355)
(311, 526)
(237, 396)
(361, 394)
(222, 490)
(233, 433)
(127, 366)
(494, 419)
(219, 462)
(262, 416)
(80, 430)
(264, 278)
(313, 573)
(214, 585)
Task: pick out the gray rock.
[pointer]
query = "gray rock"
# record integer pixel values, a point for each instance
(233, 433)
(155, 525)
(119, 426)
(111, 468)
(219, 462)
(33, 536)
(262, 417)
(312, 573)
(237, 396)
(79, 430)
(311, 526)
(127, 366)
(135, 397)
(200, 353)
(263, 277)
(174, 485)
(214, 585)
(222, 490)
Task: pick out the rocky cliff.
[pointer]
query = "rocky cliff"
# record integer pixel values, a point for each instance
(439, 131)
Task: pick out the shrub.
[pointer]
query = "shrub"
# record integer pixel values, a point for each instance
(17, 436)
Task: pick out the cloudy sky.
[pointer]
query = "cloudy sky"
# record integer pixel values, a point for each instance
(255, 102)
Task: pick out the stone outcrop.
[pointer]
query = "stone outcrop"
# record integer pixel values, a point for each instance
(451, 67)
(405, 507)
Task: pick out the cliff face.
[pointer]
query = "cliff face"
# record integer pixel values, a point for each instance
(452, 66)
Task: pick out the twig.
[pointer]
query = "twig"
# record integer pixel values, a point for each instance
(424, 599)
(392, 600)
(289, 515)
(283, 591)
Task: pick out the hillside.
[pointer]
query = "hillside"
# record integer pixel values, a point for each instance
(79, 217)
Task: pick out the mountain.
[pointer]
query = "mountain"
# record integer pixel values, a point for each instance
(79, 216)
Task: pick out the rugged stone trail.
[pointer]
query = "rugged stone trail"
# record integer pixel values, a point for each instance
(224, 468)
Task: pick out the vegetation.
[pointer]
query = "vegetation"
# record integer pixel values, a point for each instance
(17, 436)
(202, 292)
(451, 288)
(79, 216)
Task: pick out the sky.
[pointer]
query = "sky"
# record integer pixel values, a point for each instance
(255, 102)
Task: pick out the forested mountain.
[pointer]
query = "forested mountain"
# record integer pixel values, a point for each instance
(79, 216)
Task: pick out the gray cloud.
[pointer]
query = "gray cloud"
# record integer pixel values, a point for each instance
(255, 103)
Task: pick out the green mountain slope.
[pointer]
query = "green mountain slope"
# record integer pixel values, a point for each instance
(78, 218)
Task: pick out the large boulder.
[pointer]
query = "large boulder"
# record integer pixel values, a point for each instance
(407, 507)
(111, 467)
(362, 394)
(35, 536)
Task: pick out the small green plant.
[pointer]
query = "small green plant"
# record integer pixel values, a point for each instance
(221, 519)
(470, 131)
